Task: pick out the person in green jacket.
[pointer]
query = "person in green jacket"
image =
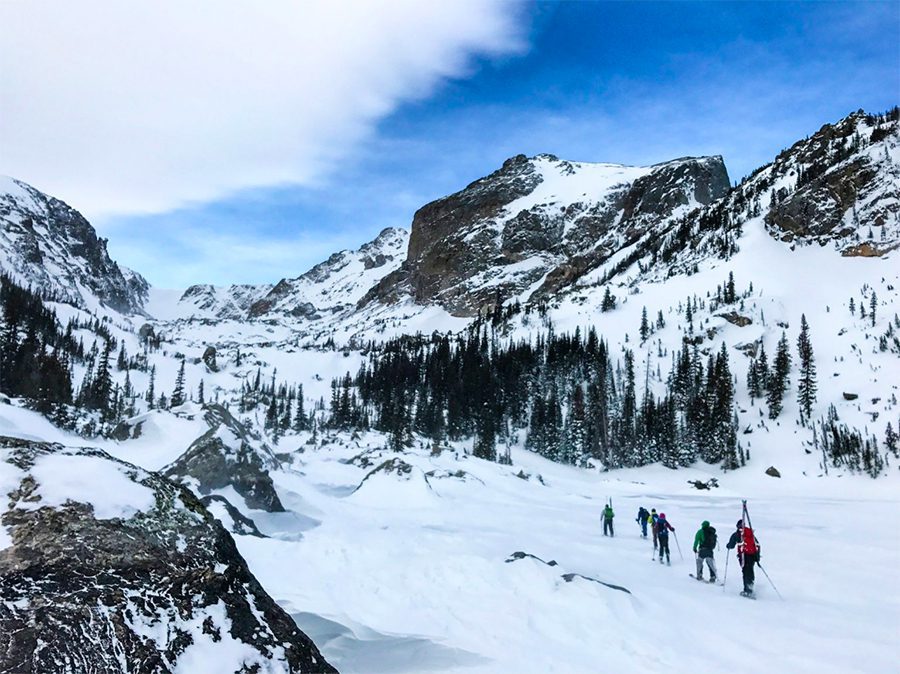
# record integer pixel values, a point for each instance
(704, 544)
(608, 515)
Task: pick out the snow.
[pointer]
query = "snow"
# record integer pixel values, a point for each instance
(393, 578)
(572, 182)
(209, 655)
(99, 482)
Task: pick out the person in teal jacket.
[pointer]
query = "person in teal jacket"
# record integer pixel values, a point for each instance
(704, 544)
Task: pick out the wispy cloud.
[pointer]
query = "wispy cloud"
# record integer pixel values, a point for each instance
(143, 106)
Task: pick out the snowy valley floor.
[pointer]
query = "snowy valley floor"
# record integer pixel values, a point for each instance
(408, 574)
(415, 579)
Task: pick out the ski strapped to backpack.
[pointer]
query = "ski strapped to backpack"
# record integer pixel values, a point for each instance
(748, 540)
(751, 548)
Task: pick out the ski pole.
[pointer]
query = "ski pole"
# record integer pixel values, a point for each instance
(770, 581)
(725, 577)
(677, 546)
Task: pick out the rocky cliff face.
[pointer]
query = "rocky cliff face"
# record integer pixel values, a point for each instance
(226, 302)
(517, 231)
(841, 185)
(107, 568)
(48, 245)
(228, 454)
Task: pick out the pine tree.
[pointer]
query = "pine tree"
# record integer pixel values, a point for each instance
(730, 293)
(609, 301)
(852, 307)
(778, 379)
(807, 383)
(151, 388)
(574, 447)
(762, 367)
(178, 393)
(689, 317)
(890, 439)
(754, 385)
(200, 398)
(645, 325)
(873, 304)
(102, 386)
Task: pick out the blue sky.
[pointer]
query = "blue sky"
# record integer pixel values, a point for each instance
(625, 82)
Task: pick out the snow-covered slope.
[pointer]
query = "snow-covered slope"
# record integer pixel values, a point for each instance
(48, 245)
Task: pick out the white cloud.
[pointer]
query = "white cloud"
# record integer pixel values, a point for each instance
(136, 107)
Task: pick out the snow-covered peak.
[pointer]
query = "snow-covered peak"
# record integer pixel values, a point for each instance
(48, 245)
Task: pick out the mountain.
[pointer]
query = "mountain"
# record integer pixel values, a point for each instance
(537, 222)
(49, 245)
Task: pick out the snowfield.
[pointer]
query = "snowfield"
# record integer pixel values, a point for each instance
(408, 571)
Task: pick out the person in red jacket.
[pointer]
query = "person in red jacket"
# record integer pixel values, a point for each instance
(664, 528)
(747, 553)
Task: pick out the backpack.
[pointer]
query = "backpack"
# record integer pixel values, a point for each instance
(749, 542)
(709, 538)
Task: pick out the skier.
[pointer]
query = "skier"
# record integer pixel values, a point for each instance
(642, 518)
(664, 528)
(747, 554)
(704, 543)
(608, 515)
(654, 528)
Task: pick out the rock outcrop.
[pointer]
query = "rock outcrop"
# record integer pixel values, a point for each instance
(841, 184)
(107, 568)
(229, 455)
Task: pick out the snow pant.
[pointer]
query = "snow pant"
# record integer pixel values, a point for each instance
(747, 563)
(655, 538)
(706, 555)
(608, 526)
(643, 528)
(664, 547)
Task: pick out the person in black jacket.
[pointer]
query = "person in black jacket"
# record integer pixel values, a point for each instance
(747, 553)
(642, 518)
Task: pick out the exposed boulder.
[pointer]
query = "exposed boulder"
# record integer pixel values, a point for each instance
(711, 483)
(209, 358)
(772, 471)
(735, 318)
(229, 454)
(850, 396)
(107, 568)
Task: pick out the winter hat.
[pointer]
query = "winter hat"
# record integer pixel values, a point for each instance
(705, 524)
(662, 516)
(653, 510)
(740, 524)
